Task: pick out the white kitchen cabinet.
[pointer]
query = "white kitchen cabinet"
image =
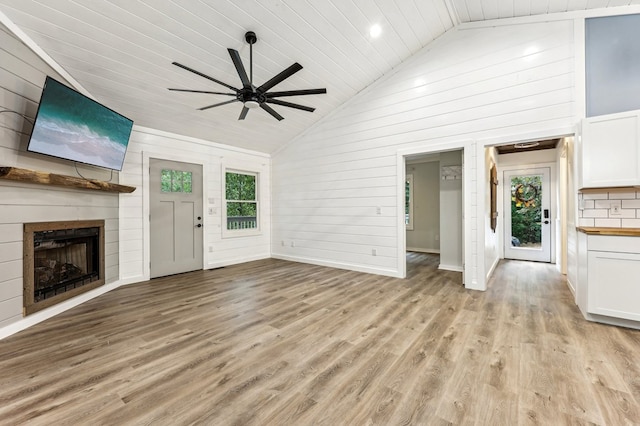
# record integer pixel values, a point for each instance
(610, 288)
(610, 150)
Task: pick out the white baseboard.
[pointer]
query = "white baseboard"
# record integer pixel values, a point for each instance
(37, 317)
(229, 262)
(492, 268)
(454, 268)
(423, 250)
(571, 287)
(351, 267)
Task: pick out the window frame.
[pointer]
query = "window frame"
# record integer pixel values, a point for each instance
(409, 180)
(230, 233)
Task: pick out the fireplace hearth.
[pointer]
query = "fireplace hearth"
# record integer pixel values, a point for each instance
(61, 260)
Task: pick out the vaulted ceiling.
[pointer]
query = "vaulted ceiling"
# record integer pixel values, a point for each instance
(121, 52)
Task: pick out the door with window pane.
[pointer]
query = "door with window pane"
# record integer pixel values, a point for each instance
(176, 225)
(527, 217)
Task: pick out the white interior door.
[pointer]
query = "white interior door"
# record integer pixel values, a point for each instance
(527, 217)
(175, 206)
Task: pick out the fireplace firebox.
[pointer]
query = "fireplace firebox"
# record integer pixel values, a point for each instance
(61, 260)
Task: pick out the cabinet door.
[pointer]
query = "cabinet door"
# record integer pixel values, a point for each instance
(610, 151)
(614, 284)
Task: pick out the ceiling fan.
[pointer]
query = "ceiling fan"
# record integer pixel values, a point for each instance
(250, 95)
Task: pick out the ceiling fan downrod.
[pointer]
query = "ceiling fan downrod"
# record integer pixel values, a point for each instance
(251, 38)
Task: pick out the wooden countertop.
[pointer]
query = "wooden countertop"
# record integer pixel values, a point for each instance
(624, 232)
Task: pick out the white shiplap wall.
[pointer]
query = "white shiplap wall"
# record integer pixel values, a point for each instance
(477, 83)
(218, 250)
(22, 74)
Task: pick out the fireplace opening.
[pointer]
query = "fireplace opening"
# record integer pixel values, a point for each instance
(62, 259)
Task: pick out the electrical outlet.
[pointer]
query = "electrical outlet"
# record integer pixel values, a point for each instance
(614, 210)
(378, 210)
(210, 249)
(282, 243)
(374, 252)
(293, 244)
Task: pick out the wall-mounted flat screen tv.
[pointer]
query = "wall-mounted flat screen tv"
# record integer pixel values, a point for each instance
(74, 127)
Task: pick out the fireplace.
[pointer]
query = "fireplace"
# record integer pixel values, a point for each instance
(61, 260)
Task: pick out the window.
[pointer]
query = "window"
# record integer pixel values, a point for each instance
(241, 200)
(408, 202)
(176, 181)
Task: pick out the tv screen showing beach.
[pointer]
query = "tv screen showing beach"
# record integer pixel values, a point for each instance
(69, 125)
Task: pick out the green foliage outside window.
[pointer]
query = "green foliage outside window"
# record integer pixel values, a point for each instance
(241, 197)
(526, 209)
(176, 181)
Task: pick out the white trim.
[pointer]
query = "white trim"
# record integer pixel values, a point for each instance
(579, 65)
(453, 12)
(146, 226)
(235, 233)
(469, 280)
(552, 17)
(38, 317)
(4, 19)
(454, 268)
(492, 268)
(423, 250)
(236, 261)
(339, 265)
(206, 143)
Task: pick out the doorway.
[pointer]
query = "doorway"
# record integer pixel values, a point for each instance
(433, 207)
(527, 218)
(176, 225)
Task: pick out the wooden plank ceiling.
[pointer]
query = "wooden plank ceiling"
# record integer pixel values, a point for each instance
(120, 51)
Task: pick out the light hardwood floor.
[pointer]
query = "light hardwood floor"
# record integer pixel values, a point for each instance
(279, 343)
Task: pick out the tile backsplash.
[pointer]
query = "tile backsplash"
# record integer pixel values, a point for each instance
(609, 209)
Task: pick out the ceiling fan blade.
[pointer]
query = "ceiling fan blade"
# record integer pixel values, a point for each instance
(217, 105)
(290, 105)
(235, 57)
(243, 113)
(296, 93)
(202, 91)
(204, 75)
(280, 77)
(270, 110)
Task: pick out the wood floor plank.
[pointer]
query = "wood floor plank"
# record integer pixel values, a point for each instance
(280, 343)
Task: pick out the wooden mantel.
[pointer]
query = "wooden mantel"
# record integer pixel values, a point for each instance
(33, 176)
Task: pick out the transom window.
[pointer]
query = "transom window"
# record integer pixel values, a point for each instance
(176, 181)
(241, 199)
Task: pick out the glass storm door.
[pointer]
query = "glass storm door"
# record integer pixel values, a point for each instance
(527, 217)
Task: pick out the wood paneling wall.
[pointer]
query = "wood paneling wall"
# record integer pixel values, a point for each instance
(476, 83)
(22, 74)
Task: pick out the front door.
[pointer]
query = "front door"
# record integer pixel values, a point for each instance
(175, 206)
(527, 207)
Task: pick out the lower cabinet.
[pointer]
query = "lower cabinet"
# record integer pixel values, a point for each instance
(609, 278)
(614, 284)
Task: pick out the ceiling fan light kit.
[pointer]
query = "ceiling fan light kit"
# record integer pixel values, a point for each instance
(251, 96)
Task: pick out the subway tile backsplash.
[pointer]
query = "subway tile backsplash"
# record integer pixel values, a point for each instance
(599, 209)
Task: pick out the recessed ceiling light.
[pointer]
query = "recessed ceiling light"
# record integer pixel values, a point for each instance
(375, 31)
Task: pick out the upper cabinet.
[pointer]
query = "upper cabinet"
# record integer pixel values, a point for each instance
(610, 150)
